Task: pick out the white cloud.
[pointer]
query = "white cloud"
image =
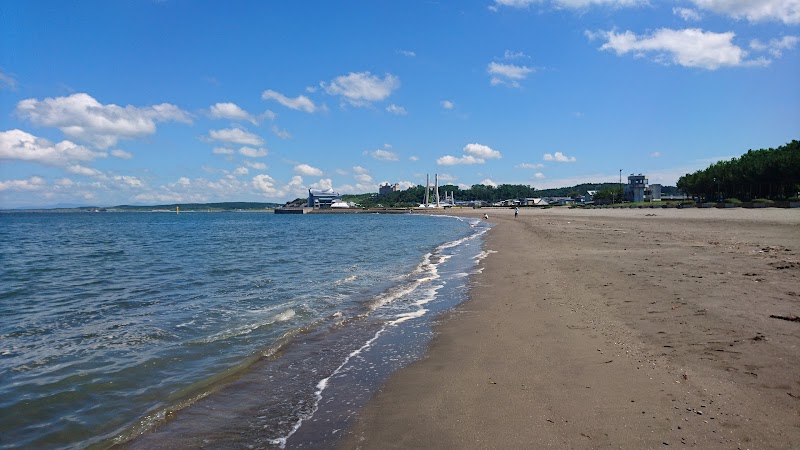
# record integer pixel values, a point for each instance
(299, 103)
(256, 165)
(786, 11)
(266, 184)
(447, 104)
(407, 53)
(236, 136)
(363, 177)
(305, 169)
(184, 181)
(488, 182)
(775, 47)
(447, 177)
(359, 169)
(241, 171)
(128, 180)
(384, 155)
(413, 158)
(689, 47)
(7, 82)
(362, 88)
(403, 185)
(283, 134)
(559, 157)
(508, 54)
(31, 184)
(222, 151)
(82, 117)
(19, 145)
(529, 166)
(78, 169)
(571, 4)
(507, 74)
(482, 151)
(269, 115)
(687, 14)
(538, 175)
(397, 110)
(253, 152)
(323, 183)
(121, 154)
(449, 160)
(231, 111)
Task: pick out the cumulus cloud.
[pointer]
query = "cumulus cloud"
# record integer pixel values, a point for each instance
(222, 151)
(362, 88)
(253, 152)
(305, 169)
(689, 47)
(529, 166)
(299, 103)
(122, 154)
(413, 158)
(363, 177)
(31, 184)
(447, 104)
(384, 155)
(488, 182)
(786, 11)
(538, 175)
(235, 136)
(449, 160)
(256, 165)
(507, 74)
(482, 151)
(267, 185)
(128, 180)
(231, 111)
(559, 157)
(22, 146)
(396, 110)
(81, 117)
(687, 14)
(78, 169)
(775, 47)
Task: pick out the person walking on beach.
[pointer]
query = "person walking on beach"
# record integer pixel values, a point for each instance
(516, 212)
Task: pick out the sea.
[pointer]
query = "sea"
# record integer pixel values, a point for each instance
(216, 330)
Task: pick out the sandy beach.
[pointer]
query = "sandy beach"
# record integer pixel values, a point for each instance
(640, 328)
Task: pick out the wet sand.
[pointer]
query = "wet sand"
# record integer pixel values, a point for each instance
(643, 328)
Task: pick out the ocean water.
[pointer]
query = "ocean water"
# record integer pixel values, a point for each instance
(214, 329)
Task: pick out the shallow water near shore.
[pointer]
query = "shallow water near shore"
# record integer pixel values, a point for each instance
(225, 329)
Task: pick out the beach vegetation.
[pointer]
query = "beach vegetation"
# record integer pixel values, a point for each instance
(770, 174)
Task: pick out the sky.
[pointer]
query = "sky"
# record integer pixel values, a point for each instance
(150, 102)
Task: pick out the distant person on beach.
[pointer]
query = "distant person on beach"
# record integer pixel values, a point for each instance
(486, 216)
(516, 212)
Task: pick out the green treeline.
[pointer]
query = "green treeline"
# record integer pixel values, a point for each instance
(414, 196)
(772, 173)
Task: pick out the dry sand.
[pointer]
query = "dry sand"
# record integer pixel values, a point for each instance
(644, 328)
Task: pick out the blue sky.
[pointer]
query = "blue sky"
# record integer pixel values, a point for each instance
(147, 102)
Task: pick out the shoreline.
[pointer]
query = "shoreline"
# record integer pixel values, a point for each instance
(629, 328)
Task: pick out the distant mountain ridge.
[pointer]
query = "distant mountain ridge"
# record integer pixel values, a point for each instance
(185, 207)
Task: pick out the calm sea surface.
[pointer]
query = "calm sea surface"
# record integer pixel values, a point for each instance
(234, 329)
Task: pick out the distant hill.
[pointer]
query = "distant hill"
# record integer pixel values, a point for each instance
(184, 207)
